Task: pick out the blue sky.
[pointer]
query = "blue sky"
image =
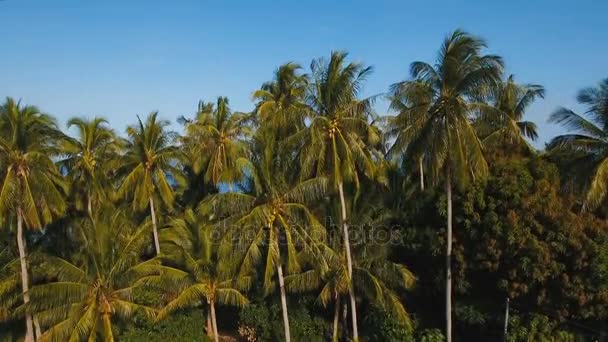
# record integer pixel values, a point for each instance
(118, 59)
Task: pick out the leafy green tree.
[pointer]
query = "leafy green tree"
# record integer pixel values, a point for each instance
(501, 123)
(148, 165)
(86, 157)
(93, 289)
(194, 273)
(445, 135)
(338, 143)
(272, 215)
(586, 149)
(216, 140)
(32, 188)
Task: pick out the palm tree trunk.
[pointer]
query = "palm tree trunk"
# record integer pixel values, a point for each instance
(448, 284)
(349, 262)
(336, 319)
(209, 323)
(216, 337)
(421, 173)
(89, 205)
(154, 228)
(283, 302)
(107, 328)
(37, 329)
(345, 322)
(29, 332)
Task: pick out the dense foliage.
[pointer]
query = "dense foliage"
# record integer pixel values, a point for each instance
(312, 217)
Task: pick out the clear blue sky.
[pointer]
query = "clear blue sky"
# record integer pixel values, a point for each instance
(122, 58)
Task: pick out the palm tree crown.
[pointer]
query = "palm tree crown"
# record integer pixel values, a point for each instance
(588, 145)
(216, 138)
(503, 123)
(87, 158)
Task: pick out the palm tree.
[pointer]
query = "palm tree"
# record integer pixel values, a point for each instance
(281, 101)
(149, 164)
(412, 102)
(86, 155)
(445, 135)
(269, 211)
(95, 287)
(337, 142)
(32, 188)
(373, 272)
(502, 123)
(219, 133)
(194, 271)
(587, 147)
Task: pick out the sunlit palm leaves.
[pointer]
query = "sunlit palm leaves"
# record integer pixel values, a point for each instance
(215, 140)
(271, 219)
(193, 273)
(150, 167)
(87, 159)
(501, 124)
(444, 133)
(281, 101)
(94, 289)
(32, 188)
(585, 150)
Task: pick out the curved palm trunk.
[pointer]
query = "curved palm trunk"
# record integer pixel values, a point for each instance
(107, 328)
(448, 284)
(421, 174)
(29, 332)
(336, 319)
(209, 323)
(154, 228)
(349, 262)
(283, 302)
(216, 336)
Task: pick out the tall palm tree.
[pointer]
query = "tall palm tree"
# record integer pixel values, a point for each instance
(587, 146)
(149, 164)
(32, 188)
(281, 101)
(194, 272)
(95, 287)
(86, 157)
(337, 142)
(502, 123)
(270, 211)
(216, 137)
(445, 134)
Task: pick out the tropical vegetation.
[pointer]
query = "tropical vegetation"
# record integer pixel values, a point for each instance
(312, 216)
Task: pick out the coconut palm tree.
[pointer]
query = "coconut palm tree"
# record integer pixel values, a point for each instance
(280, 102)
(445, 135)
(373, 272)
(149, 165)
(587, 147)
(194, 272)
(216, 137)
(502, 123)
(268, 212)
(94, 288)
(86, 157)
(337, 143)
(412, 102)
(32, 189)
